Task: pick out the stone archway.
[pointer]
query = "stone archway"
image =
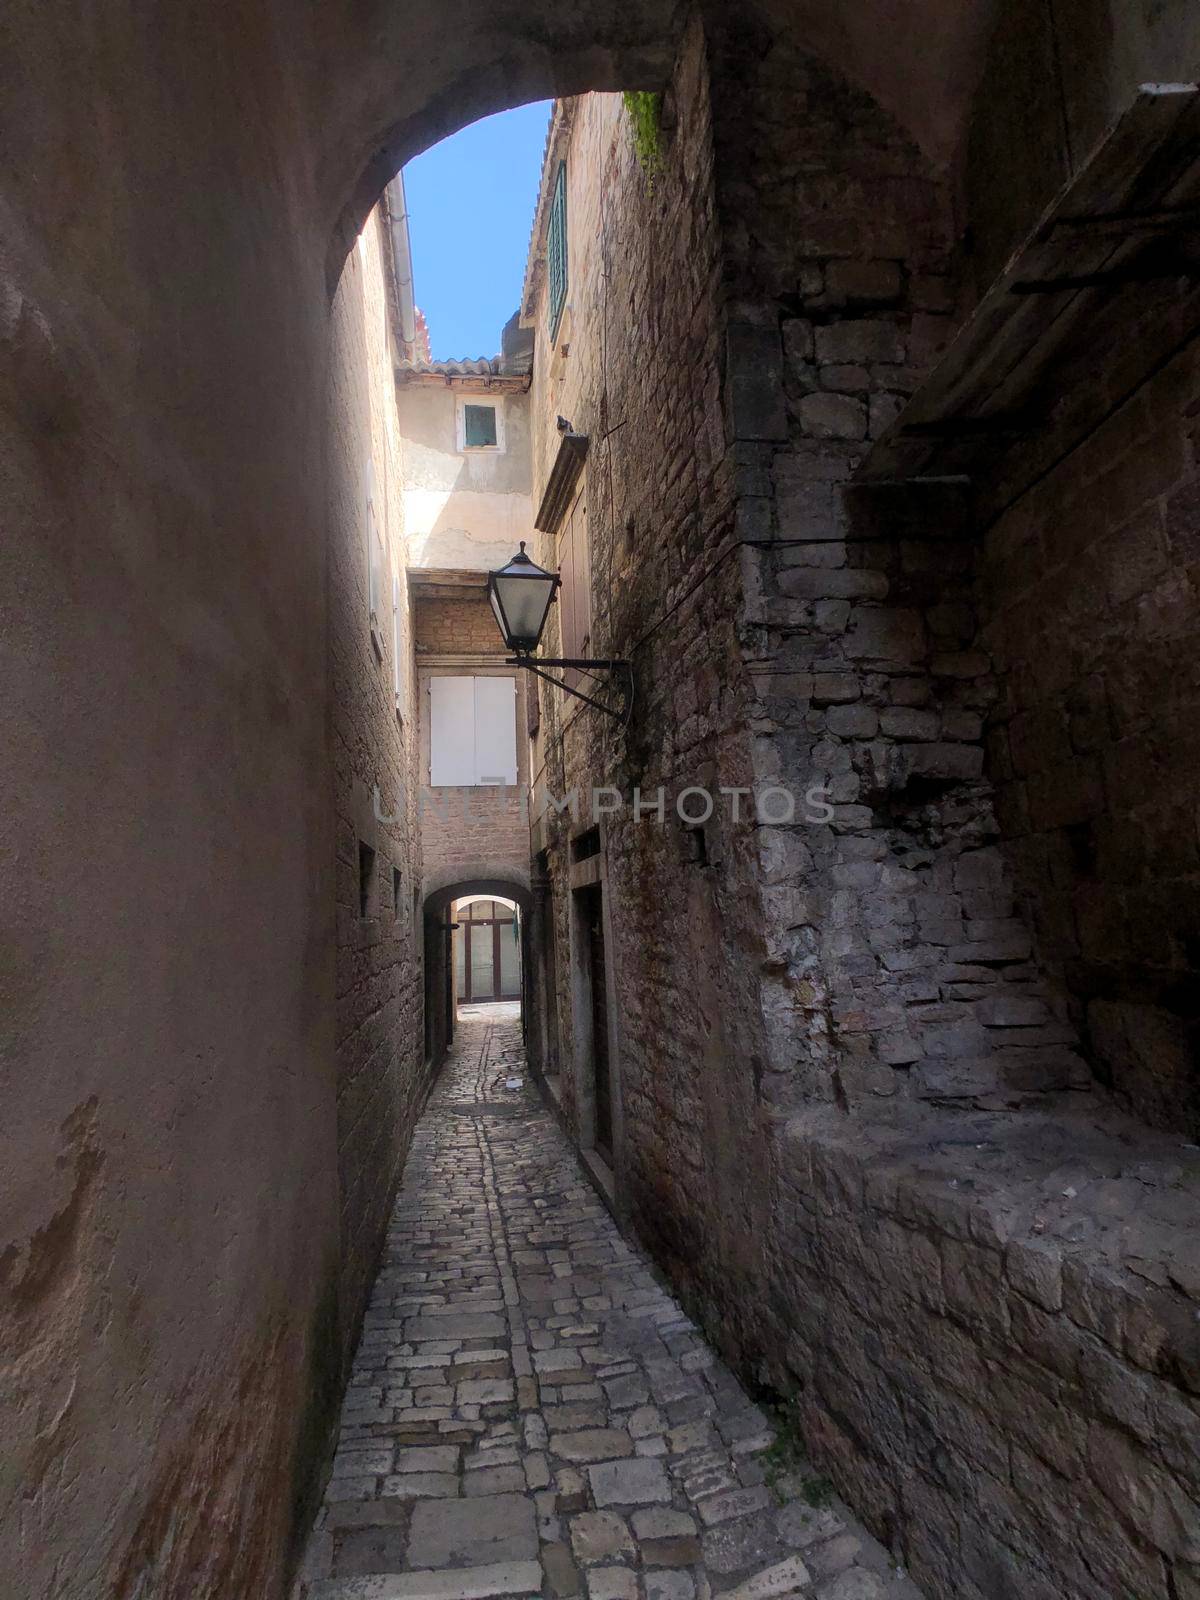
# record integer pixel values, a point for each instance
(439, 991)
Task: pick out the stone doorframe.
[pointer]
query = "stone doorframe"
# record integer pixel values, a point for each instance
(590, 873)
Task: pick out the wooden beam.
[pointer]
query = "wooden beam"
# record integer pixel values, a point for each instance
(1067, 307)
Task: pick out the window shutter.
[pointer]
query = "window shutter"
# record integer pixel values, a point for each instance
(583, 576)
(472, 732)
(396, 679)
(495, 730)
(479, 426)
(556, 250)
(451, 732)
(566, 594)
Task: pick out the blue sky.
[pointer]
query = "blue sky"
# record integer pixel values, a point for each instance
(470, 208)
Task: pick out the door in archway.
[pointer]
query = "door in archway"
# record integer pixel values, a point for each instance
(487, 952)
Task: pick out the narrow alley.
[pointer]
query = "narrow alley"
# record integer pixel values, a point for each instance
(599, 828)
(531, 1413)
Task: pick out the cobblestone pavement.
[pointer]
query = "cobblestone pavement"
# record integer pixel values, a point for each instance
(532, 1414)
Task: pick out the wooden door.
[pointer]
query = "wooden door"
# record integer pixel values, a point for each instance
(487, 957)
(593, 911)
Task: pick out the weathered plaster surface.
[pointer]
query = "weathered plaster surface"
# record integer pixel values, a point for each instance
(463, 508)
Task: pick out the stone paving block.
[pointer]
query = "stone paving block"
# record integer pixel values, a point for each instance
(717, 1508)
(562, 1575)
(363, 1551)
(627, 1391)
(357, 1488)
(556, 1361)
(464, 1324)
(495, 1480)
(646, 1421)
(749, 1542)
(856, 1584)
(367, 1463)
(591, 1444)
(572, 1490)
(611, 1583)
(421, 1486)
(473, 1531)
(635, 1481)
(668, 1585)
(583, 1488)
(600, 1536)
(474, 1583)
(660, 1522)
(369, 1514)
(782, 1578)
(497, 1456)
(800, 1524)
(681, 1552)
(485, 1391)
(427, 1458)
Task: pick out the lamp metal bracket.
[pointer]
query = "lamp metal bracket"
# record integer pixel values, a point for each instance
(622, 681)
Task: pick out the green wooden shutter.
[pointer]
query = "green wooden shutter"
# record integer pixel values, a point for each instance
(556, 250)
(479, 426)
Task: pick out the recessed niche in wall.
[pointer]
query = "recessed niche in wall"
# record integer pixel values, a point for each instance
(366, 878)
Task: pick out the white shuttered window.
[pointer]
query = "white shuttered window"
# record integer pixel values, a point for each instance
(472, 732)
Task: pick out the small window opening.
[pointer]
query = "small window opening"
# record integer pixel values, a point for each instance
(479, 427)
(586, 845)
(696, 843)
(366, 878)
(397, 892)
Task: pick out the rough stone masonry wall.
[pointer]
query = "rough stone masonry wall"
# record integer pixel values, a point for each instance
(896, 965)
(380, 1052)
(984, 1317)
(644, 382)
(979, 1282)
(1091, 586)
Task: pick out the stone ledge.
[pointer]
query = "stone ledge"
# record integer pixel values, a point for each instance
(991, 1326)
(1070, 1184)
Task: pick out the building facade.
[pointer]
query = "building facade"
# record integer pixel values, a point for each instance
(842, 1005)
(887, 375)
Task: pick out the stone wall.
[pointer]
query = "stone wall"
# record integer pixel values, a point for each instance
(468, 833)
(171, 198)
(988, 1323)
(1090, 587)
(968, 1281)
(457, 627)
(1078, 68)
(644, 381)
(895, 964)
(380, 1057)
(970, 1274)
(463, 508)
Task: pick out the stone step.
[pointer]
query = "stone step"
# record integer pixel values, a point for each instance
(453, 1583)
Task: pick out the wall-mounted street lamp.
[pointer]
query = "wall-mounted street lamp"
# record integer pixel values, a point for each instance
(521, 595)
